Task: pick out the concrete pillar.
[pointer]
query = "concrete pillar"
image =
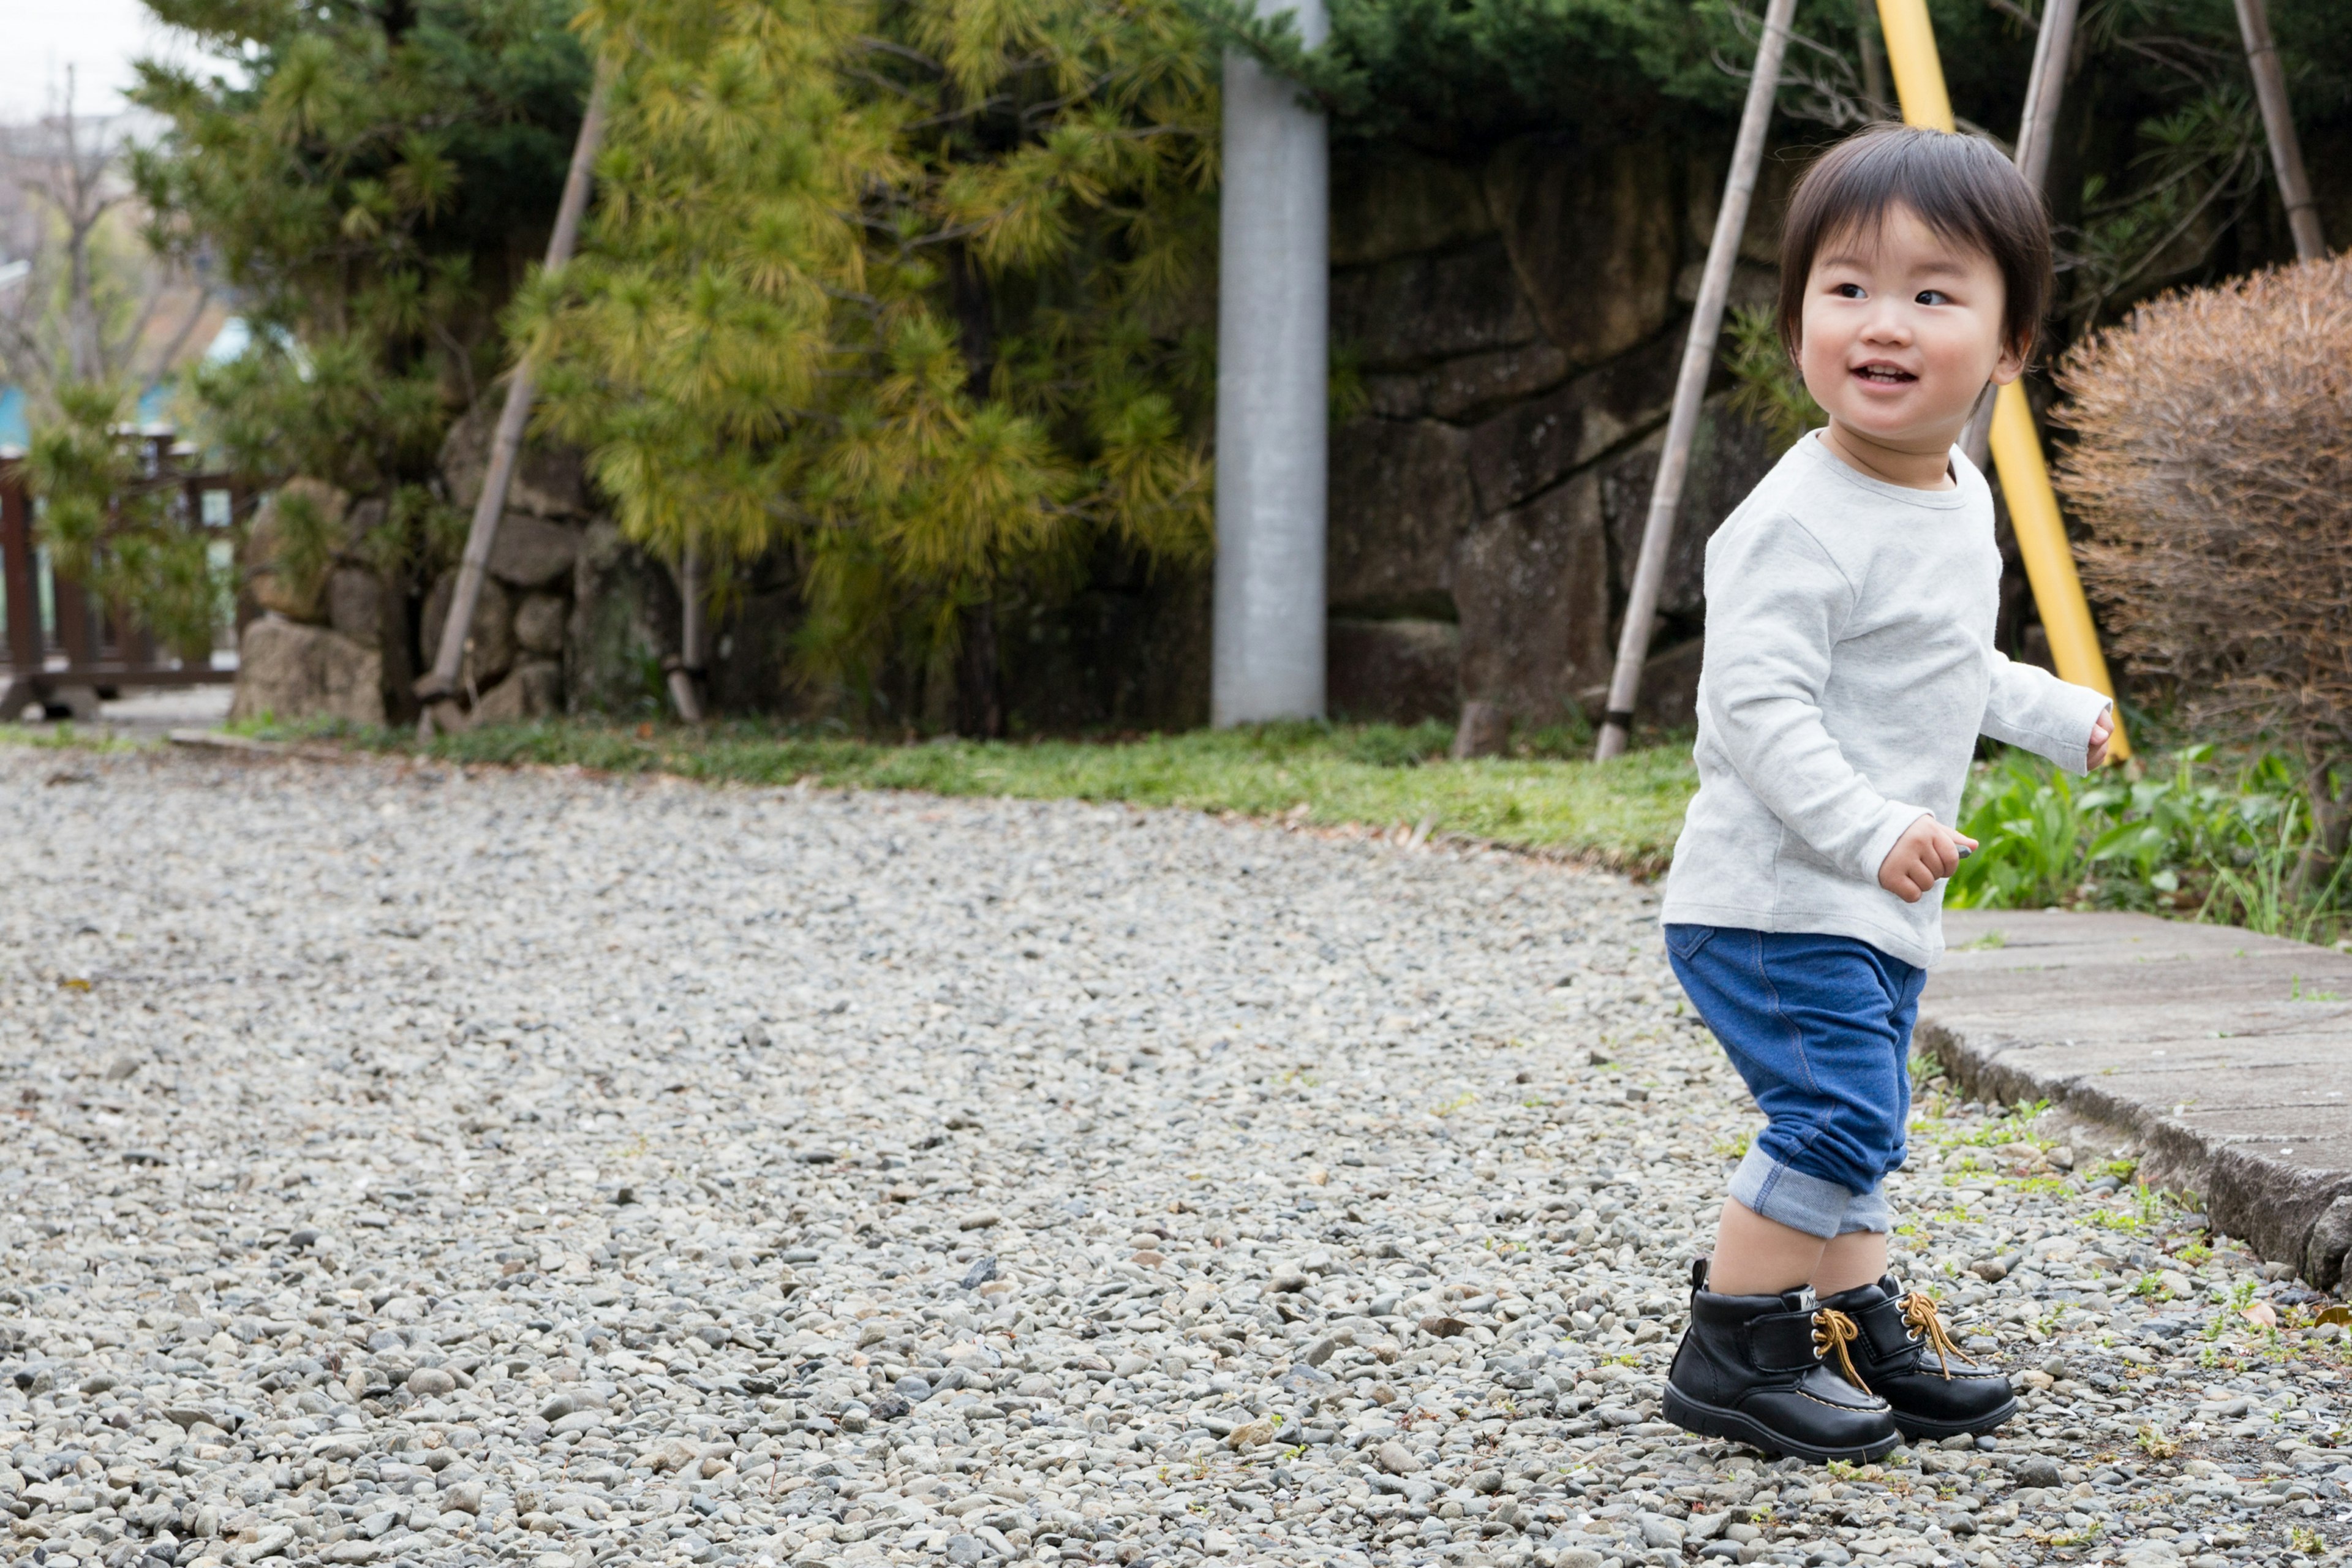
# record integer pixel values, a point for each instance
(1273, 364)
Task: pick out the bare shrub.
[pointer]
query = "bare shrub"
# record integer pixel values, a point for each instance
(2213, 467)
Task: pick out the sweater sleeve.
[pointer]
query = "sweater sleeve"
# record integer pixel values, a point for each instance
(1776, 604)
(2031, 708)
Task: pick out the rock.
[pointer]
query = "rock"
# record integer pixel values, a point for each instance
(289, 672)
(539, 624)
(1533, 588)
(534, 690)
(1532, 445)
(1387, 201)
(466, 1497)
(291, 546)
(355, 604)
(491, 650)
(1591, 237)
(2038, 1471)
(979, 1219)
(1396, 1459)
(1443, 1328)
(1728, 457)
(1477, 384)
(1250, 1435)
(431, 1382)
(531, 552)
(1669, 685)
(964, 1551)
(1414, 311)
(1658, 1530)
(1393, 671)
(983, 1268)
(1409, 500)
(550, 480)
(625, 617)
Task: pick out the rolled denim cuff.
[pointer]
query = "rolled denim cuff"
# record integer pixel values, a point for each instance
(1784, 1196)
(1868, 1212)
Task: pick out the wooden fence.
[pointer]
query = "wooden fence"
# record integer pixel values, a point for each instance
(59, 646)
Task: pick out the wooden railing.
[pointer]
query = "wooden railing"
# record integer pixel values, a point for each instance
(64, 648)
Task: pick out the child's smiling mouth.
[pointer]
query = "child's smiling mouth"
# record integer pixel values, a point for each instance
(1881, 374)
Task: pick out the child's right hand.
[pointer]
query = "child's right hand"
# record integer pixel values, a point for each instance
(1925, 854)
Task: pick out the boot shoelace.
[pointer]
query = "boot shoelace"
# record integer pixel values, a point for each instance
(1920, 1317)
(1833, 1333)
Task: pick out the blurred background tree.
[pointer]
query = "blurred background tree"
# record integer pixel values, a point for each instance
(372, 181)
(919, 289)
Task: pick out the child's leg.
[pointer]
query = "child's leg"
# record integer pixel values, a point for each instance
(1758, 1256)
(1857, 1257)
(1818, 1028)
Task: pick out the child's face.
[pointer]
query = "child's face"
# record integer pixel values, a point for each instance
(1901, 332)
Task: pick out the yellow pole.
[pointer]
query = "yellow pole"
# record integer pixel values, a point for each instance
(2016, 445)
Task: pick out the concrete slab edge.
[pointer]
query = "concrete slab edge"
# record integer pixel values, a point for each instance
(2287, 1214)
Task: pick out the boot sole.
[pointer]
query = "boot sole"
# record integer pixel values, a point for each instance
(1711, 1421)
(1915, 1428)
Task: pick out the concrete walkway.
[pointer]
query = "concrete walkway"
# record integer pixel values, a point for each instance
(2228, 1056)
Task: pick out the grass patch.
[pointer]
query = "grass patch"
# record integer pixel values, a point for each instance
(1623, 813)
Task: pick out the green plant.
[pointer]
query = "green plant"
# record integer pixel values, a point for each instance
(363, 177)
(2195, 834)
(108, 528)
(919, 291)
(1768, 390)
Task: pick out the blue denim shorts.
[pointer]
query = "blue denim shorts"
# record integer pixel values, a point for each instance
(1819, 1026)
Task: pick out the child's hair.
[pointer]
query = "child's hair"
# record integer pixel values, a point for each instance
(1962, 189)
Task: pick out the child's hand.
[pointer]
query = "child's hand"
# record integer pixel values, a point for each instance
(1928, 852)
(2101, 732)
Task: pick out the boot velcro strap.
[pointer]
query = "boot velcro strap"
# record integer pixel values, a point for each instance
(1883, 1327)
(1781, 1341)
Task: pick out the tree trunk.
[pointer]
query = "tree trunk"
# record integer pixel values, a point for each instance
(975, 314)
(980, 705)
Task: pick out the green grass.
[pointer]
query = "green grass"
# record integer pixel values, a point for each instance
(1622, 813)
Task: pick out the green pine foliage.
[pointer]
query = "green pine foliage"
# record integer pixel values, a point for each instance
(112, 529)
(917, 290)
(372, 180)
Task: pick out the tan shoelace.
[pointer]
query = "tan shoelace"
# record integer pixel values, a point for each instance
(1833, 1331)
(1920, 1317)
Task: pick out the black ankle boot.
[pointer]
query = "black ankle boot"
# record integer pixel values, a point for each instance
(1757, 1370)
(1908, 1359)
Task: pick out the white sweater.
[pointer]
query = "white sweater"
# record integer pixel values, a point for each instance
(1849, 669)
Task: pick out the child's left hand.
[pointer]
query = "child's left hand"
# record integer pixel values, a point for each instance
(2101, 732)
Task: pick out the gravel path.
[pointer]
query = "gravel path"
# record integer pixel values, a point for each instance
(417, 1166)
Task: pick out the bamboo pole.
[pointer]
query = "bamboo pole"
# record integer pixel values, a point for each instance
(440, 683)
(2016, 444)
(1690, 385)
(2278, 124)
(685, 672)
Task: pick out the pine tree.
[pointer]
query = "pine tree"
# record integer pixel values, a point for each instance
(917, 289)
(366, 177)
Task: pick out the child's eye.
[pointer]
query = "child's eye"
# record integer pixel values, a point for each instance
(1932, 297)
(1848, 292)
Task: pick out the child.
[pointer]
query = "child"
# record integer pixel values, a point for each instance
(1849, 669)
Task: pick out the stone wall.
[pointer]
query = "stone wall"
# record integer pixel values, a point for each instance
(1514, 323)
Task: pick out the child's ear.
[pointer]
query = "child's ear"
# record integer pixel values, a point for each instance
(2011, 363)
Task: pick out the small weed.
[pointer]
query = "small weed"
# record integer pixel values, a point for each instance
(1461, 1101)
(1990, 941)
(2154, 1442)
(2295, 993)
(1733, 1148)
(2307, 1542)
